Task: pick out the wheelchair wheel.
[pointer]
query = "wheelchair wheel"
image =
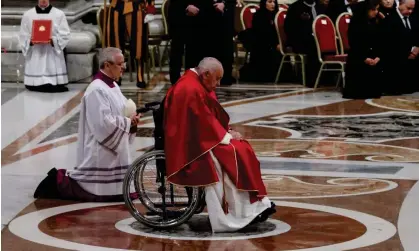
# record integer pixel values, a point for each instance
(157, 203)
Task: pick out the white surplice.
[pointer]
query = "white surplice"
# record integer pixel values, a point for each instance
(44, 63)
(240, 211)
(103, 153)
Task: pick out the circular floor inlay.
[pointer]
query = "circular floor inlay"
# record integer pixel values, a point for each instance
(198, 228)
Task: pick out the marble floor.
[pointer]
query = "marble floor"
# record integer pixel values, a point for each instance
(343, 173)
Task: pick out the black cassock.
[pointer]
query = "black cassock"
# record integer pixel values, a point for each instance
(264, 58)
(298, 27)
(362, 80)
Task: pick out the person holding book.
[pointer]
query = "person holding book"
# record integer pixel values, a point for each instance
(44, 33)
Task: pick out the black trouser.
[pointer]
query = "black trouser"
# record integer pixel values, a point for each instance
(227, 45)
(177, 49)
(198, 40)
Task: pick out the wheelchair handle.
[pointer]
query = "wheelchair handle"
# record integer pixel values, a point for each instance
(151, 104)
(149, 107)
(143, 110)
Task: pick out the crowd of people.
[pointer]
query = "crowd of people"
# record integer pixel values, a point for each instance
(383, 39)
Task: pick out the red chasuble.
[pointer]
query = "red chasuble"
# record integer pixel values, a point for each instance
(195, 124)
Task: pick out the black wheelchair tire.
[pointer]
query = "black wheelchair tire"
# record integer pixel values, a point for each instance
(133, 170)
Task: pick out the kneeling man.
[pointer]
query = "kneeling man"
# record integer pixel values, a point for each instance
(203, 151)
(107, 127)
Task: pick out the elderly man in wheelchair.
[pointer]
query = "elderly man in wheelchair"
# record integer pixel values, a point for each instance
(197, 161)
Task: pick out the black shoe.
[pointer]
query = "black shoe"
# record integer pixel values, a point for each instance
(61, 88)
(141, 85)
(47, 189)
(268, 212)
(262, 217)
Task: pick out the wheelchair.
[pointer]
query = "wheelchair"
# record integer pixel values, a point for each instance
(150, 199)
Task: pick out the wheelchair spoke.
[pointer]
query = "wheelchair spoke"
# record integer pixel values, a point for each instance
(157, 203)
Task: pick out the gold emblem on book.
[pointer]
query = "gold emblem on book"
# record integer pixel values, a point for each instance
(42, 28)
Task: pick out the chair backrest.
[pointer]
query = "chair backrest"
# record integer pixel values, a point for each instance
(246, 16)
(325, 36)
(279, 24)
(282, 6)
(165, 14)
(342, 25)
(238, 26)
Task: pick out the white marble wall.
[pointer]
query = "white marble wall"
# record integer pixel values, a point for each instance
(80, 66)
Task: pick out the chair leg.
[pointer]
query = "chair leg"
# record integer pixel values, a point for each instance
(148, 68)
(303, 69)
(343, 77)
(160, 58)
(153, 61)
(338, 81)
(165, 51)
(236, 61)
(280, 69)
(318, 76)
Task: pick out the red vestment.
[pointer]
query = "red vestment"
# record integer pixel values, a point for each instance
(195, 124)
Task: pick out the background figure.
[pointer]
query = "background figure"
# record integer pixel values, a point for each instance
(176, 24)
(264, 55)
(363, 70)
(125, 22)
(45, 67)
(298, 27)
(386, 8)
(222, 36)
(199, 20)
(337, 7)
(401, 40)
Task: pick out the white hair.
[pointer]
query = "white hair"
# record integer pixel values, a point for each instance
(405, 1)
(209, 64)
(108, 55)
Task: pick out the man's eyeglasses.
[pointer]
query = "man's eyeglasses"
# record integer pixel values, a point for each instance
(123, 64)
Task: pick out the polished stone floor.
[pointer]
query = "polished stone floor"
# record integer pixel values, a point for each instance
(343, 173)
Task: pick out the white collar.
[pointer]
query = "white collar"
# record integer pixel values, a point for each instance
(194, 70)
(400, 14)
(310, 5)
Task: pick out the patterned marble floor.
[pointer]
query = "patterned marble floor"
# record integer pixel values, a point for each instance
(343, 173)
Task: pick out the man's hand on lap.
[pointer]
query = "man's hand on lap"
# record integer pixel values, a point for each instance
(236, 135)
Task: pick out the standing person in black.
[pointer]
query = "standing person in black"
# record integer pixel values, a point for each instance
(201, 28)
(363, 68)
(222, 32)
(177, 31)
(299, 31)
(264, 54)
(401, 40)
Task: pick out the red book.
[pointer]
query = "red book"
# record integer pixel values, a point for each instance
(41, 31)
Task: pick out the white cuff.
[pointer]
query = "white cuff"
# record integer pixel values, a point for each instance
(226, 139)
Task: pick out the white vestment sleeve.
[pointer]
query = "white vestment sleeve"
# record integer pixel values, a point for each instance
(61, 36)
(108, 129)
(25, 34)
(226, 139)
